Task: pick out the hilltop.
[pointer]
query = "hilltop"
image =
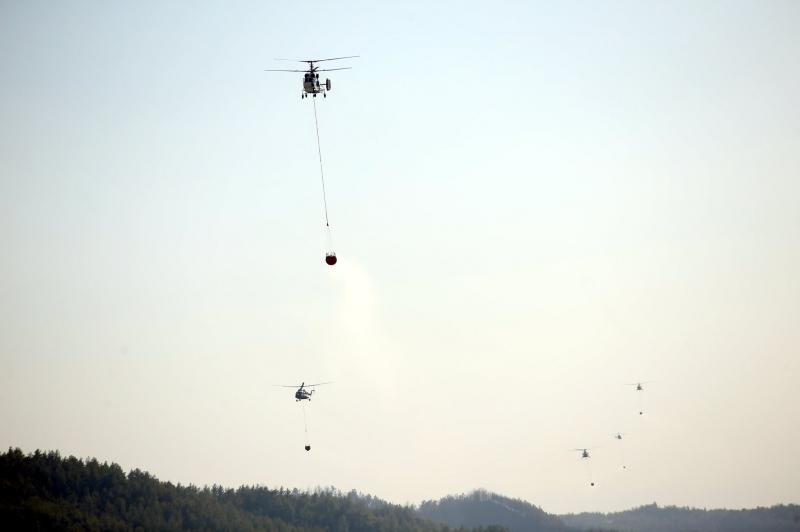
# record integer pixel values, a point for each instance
(482, 508)
(45, 491)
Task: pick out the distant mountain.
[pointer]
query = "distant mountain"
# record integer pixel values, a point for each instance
(44, 491)
(652, 518)
(482, 508)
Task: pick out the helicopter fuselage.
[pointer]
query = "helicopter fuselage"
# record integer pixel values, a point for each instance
(312, 85)
(302, 393)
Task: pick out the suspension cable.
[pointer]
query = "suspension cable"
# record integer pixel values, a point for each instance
(321, 172)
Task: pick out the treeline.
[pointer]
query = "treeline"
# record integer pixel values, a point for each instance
(652, 518)
(482, 508)
(45, 491)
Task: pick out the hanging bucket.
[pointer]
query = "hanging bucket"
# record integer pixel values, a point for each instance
(330, 258)
(308, 447)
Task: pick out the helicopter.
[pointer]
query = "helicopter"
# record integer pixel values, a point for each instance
(311, 81)
(585, 457)
(584, 452)
(618, 436)
(639, 388)
(304, 391)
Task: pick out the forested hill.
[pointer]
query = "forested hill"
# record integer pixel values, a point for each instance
(652, 518)
(43, 491)
(481, 508)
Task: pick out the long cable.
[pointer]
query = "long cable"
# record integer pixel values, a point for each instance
(622, 453)
(321, 172)
(305, 423)
(589, 471)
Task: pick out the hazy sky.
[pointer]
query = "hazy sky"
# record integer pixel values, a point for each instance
(533, 204)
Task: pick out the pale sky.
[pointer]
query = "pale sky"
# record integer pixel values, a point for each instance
(533, 203)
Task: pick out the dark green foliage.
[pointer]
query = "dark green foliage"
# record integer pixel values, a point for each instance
(43, 491)
(652, 518)
(481, 508)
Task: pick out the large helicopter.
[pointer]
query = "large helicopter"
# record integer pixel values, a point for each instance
(304, 391)
(311, 82)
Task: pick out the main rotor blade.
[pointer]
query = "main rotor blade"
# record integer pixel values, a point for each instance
(316, 60)
(332, 58)
(318, 384)
(281, 70)
(286, 386)
(330, 69)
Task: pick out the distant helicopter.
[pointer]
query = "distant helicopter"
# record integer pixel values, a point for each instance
(618, 436)
(311, 82)
(584, 452)
(639, 388)
(304, 391)
(585, 456)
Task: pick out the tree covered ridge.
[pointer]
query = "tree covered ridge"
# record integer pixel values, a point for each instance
(654, 518)
(482, 508)
(45, 491)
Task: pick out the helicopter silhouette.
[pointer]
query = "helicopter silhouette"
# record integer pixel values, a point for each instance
(584, 452)
(304, 391)
(639, 388)
(585, 456)
(311, 82)
(618, 436)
